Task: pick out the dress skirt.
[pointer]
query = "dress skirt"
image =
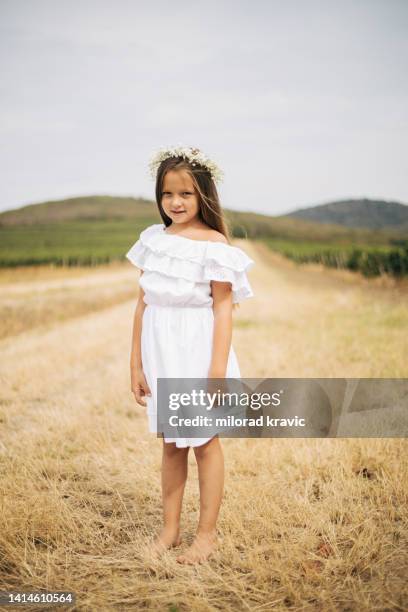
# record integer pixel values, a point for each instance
(176, 342)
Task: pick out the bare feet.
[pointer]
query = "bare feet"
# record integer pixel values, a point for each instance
(162, 542)
(203, 546)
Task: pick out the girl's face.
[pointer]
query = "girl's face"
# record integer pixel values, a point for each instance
(179, 198)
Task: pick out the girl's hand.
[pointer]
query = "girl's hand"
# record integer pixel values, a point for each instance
(139, 385)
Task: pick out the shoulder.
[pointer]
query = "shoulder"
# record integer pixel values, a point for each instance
(215, 236)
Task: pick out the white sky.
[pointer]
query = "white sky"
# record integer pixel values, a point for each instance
(299, 102)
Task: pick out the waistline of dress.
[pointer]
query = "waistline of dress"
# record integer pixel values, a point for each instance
(179, 305)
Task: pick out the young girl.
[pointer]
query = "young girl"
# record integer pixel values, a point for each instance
(190, 278)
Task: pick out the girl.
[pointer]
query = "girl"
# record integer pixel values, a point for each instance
(190, 278)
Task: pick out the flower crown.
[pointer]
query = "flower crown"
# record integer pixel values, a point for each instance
(193, 155)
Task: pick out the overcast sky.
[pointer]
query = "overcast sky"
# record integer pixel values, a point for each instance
(299, 102)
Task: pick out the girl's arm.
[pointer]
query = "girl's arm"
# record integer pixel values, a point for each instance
(222, 333)
(139, 384)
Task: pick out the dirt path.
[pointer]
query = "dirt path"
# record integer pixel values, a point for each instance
(313, 322)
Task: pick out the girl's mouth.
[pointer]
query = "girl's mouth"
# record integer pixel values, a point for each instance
(178, 212)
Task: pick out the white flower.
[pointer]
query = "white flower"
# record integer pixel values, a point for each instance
(193, 155)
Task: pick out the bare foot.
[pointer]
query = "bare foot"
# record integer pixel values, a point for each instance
(203, 546)
(162, 542)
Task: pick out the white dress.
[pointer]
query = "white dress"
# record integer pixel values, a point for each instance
(177, 327)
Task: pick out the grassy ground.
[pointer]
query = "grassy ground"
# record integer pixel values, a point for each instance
(306, 524)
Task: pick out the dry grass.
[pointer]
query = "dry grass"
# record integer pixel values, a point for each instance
(306, 524)
(42, 296)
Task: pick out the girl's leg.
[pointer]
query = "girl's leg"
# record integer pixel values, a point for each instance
(210, 462)
(173, 479)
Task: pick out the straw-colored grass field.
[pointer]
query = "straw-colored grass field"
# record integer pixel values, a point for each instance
(306, 524)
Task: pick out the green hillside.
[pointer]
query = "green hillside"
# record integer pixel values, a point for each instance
(87, 208)
(99, 229)
(364, 213)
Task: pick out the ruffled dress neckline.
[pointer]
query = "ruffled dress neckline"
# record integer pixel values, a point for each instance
(198, 261)
(156, 238)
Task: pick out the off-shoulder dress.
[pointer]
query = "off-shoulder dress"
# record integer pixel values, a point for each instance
(177, 326)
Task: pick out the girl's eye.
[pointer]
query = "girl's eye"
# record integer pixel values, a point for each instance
(184, 193)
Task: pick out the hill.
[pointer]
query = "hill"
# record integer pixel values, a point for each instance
(86, 208)
(371, 214)
(139, 212)
(91, 230)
